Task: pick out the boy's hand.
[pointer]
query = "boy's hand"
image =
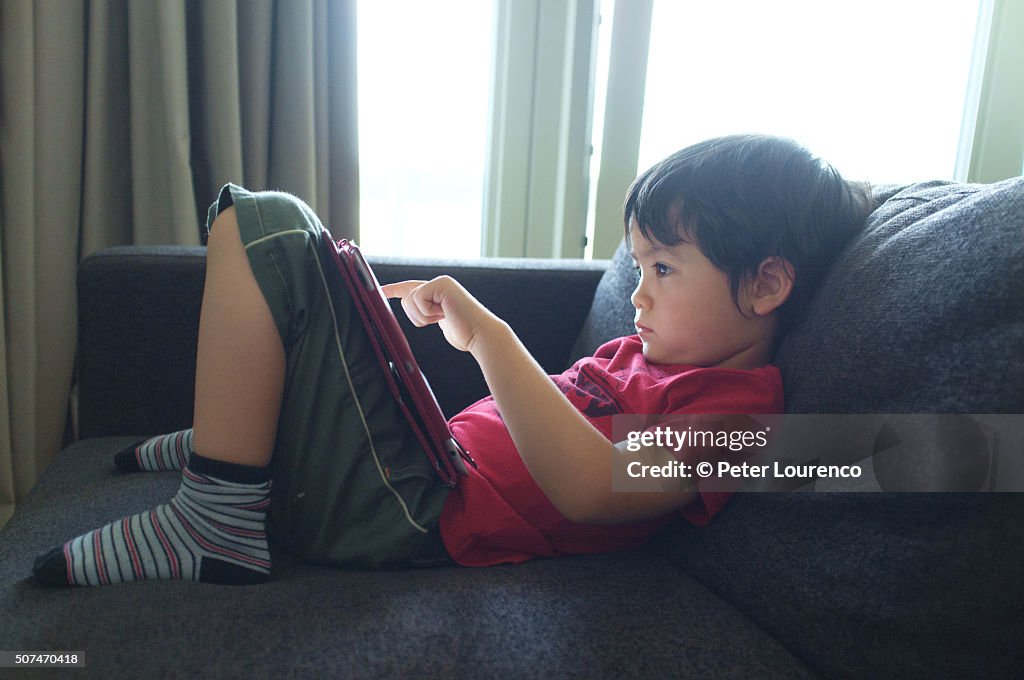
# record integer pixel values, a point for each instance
(566, 455)
(444, 301)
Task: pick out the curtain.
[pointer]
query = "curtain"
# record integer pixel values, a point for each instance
(119, 120)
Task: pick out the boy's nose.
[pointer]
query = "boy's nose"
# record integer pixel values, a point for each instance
(640, 299)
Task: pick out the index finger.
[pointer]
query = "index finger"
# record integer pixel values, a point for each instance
(401, 289)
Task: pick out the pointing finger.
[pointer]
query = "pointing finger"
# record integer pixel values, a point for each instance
(401, 289)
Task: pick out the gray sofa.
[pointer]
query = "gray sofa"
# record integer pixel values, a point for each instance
(924, 313)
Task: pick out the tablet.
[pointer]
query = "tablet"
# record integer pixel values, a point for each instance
(409, 386)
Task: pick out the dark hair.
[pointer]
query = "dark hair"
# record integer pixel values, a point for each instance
(743, 198)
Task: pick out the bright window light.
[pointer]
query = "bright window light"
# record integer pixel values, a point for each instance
(424, 83)
(876, 87)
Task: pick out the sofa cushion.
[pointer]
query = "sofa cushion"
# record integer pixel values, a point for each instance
(597, 616)
(923, 313)
(611, 313)
(138, 312)
(871, 585)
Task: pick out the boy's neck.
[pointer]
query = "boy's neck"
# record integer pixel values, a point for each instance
(754, 356)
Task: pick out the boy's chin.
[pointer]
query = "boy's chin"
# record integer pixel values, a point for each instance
(656, 355)
(653, 356)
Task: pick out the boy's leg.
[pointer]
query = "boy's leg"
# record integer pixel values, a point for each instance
(162, 452)
(214, 528)
(351, 483)
(229, 428)
(241, 362)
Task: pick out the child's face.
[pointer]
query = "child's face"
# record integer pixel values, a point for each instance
(685, 311)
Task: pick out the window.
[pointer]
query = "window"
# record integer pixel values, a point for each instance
(514, 127)
(424, 75)
(876, 87)
(907, 91)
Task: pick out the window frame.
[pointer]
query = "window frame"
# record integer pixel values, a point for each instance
(992, 138)
(537, 179)
(537, 175)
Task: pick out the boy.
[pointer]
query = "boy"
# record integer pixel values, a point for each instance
(730, 238)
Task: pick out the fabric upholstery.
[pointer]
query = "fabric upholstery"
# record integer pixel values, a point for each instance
(615, 615)
(611, 314)
(139, 321)
(828, 584)
(923, 313)
(871, 585)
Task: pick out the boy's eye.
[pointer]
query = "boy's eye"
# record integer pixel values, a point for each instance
(659, 269)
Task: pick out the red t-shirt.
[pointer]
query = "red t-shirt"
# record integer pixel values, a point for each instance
(498, 514)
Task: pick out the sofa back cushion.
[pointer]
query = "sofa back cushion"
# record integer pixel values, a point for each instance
(611, 313)
(922, 313)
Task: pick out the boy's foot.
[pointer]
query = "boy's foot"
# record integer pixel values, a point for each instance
(164, 452)
(213, 530)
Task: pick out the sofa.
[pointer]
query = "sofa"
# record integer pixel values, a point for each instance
(923, 313)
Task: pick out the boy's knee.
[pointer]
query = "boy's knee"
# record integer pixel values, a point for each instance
(270, 213)
(284, 211)
(224, 231)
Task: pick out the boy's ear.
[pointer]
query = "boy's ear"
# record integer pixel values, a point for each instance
(771, 285)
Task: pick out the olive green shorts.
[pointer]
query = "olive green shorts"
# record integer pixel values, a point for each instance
(351, 484)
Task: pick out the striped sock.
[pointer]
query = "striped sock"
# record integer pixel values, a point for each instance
(164, 452)
(213, 530)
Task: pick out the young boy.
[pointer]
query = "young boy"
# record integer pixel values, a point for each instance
(730, 238)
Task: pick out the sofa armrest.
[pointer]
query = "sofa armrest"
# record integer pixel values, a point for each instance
(139, 312)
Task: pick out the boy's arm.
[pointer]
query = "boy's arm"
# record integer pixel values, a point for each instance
(568, 458)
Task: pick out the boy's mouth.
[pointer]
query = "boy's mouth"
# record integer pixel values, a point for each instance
(642, 330)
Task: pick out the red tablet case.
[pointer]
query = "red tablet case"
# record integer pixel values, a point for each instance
(407, 383)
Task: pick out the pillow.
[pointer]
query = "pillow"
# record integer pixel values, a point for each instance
(923, 313)
(611, 313)
(870, 585)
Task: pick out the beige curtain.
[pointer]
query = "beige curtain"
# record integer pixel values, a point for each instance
(119, 119)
